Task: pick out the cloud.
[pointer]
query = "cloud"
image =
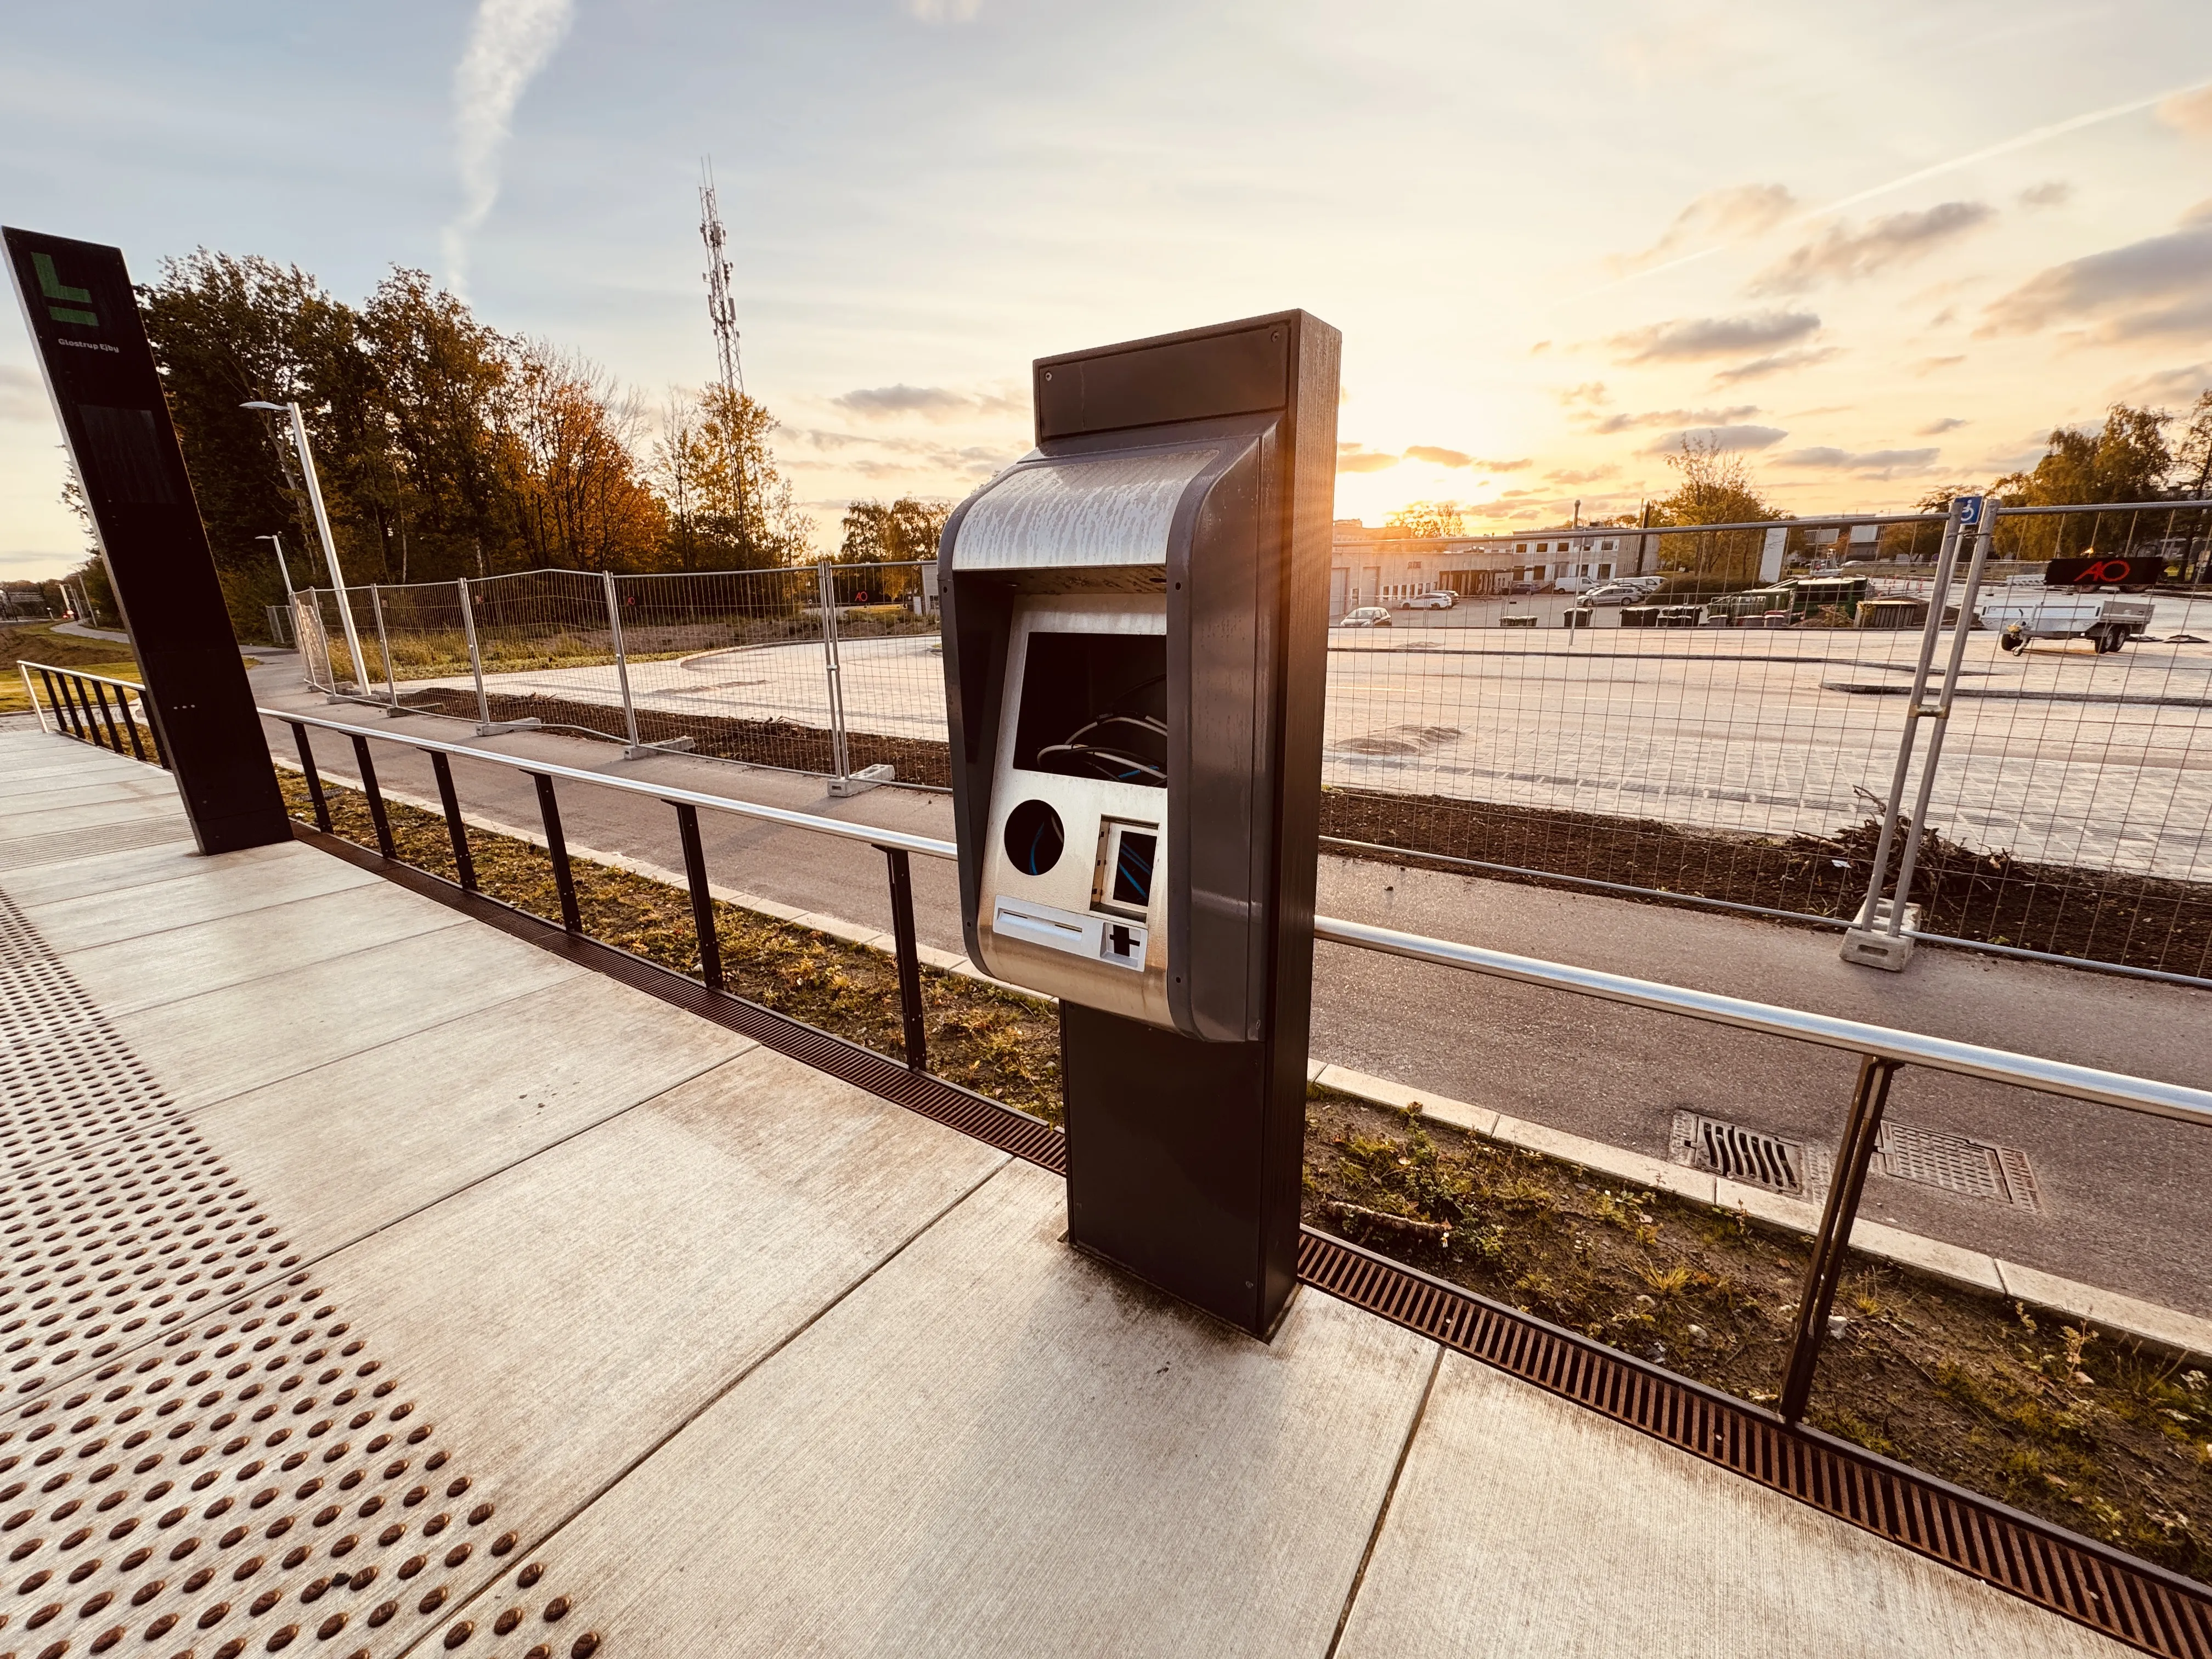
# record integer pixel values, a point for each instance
(2166, 386)
(2189, 113)
(932, 403)
(1930, 365)
(2154, 287)
(1882, 462)
(2051, 192)
(1437, 457)
(510, 42)
(1688, 340)
(1730, 215)
(1358, 457)
(1626, 422)
(22, 395)
(1720, 438)
(1590, 392)
(1779, 363)
(943, 11)
(1843, 254)
(1590, 477)
(1948, 424)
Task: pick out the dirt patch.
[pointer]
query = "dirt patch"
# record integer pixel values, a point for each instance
(2140, 921)
(783, 744)
(2090, 1430)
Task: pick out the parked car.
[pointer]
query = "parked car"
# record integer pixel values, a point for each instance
(1436, 599)
(1516, 589)
(1368, 616)
(1613, 593)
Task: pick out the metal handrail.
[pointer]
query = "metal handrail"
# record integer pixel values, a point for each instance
(2170, 1100)
(927, 846)
(1882, 1051)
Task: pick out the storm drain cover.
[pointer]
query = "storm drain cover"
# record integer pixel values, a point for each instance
(1751, 1156)
(1957, 1164)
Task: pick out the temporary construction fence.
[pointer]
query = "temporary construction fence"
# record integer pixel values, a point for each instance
(1728, 744)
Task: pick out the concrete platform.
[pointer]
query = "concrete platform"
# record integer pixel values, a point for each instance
(374, 1282)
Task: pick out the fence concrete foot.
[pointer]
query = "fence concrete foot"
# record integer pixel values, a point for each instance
(665, 746)
(859, 782)
(496, 728)
(1869, 944)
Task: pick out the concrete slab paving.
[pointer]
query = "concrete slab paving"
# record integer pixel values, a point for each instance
(197, 957)
(368, 1138)
(197, 891)
(1524, 1525)
(210, 1046)
(996, 1446)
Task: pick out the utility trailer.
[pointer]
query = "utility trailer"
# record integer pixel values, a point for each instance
(2110, 623)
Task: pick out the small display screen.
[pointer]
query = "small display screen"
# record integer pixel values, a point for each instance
(1133, 868)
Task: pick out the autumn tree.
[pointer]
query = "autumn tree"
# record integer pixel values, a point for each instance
(575, 488)
(2126, 459)
(742, 515)
(1432, 519)
(1712, 485)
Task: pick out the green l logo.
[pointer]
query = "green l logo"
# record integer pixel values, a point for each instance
(50, 285)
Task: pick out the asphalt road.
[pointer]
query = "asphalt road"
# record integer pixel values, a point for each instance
(2124, 1196)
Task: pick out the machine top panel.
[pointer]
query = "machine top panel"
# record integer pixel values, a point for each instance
(1079, 512)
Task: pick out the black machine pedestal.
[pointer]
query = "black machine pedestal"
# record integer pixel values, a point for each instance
(1184, 1161)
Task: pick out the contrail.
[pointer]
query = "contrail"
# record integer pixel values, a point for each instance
(2006, 147)
(511, 41)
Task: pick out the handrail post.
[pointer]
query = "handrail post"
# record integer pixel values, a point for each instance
(703, 898)
(63, 722)
(622, 663)
(376, 812)
(107, 717)
(463, 866)
(130, 722)
(557, 845)
(909, 959)
(75, 708)
(1831, 1246)
(31, 695)
(314, 778)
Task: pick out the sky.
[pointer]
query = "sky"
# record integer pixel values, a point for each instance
(1878, 248)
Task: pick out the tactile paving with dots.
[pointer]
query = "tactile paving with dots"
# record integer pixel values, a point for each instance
(203, 1456)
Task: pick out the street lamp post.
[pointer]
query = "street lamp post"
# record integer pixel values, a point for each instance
(283, 569)
(323, 530)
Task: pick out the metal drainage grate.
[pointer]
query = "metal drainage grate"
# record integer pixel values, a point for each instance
(1750, 1156)
(1957, 1164)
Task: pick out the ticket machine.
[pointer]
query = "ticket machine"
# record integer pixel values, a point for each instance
(1135, 620)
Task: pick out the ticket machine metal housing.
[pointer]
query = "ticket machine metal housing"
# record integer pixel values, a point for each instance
(1158, 569)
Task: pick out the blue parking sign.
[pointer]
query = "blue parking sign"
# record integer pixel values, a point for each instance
(1969, 511)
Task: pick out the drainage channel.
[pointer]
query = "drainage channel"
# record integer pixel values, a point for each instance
(2132, 1602)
